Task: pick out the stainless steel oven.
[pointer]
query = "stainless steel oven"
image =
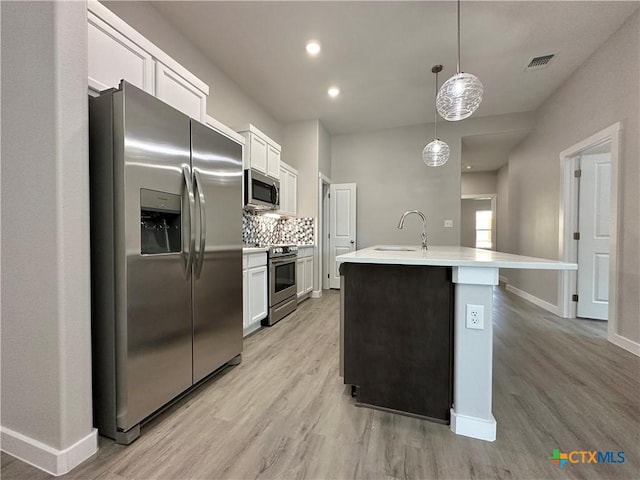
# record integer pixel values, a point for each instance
(283, 297)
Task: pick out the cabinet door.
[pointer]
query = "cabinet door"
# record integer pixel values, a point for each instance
(284, 192)
(113, 57)
(175, 90)
(292, 193)
(300, 276)
(258, 304)
(258, 153)
(245, 299)
(308, 274)
(273, 162)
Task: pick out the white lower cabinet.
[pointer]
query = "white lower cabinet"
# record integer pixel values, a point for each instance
(304, 272)
(308, 275)
(255, 290)
(300, 276)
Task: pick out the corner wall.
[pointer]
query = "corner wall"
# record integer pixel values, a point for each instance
(387, 166)
(603, 91)
(46, 339)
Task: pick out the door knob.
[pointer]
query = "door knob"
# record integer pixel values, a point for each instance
(352, 242)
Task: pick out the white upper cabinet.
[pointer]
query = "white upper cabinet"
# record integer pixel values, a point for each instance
(273, 161)
(181, 94)
(257, 153)
(117, 51)
(288, 190)
(126, 58)
(261, 152)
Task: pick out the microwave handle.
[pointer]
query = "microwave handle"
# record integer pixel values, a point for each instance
(275, 186)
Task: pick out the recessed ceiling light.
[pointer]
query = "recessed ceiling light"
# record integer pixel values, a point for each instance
(333, 92)
(468, 167)
(313, 48)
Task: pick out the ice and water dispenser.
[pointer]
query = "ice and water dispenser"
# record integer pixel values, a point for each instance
(160, 222)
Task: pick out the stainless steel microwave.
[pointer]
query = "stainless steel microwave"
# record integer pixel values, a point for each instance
(260, 192)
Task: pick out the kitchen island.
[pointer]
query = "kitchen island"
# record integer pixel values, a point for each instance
(420, 301)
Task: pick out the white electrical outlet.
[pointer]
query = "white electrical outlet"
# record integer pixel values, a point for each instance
(475, 317)
(448, 223)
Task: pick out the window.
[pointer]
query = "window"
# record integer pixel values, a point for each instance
(484, 219)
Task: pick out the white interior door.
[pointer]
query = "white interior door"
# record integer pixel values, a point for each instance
(593, 246)
(342, 229)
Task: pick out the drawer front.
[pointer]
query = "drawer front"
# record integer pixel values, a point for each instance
(256, 259)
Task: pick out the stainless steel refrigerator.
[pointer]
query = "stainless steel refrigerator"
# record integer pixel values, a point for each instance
(166, 246)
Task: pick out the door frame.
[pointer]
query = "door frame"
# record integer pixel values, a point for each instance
(568, 218)
(494, 217)
(323, 246)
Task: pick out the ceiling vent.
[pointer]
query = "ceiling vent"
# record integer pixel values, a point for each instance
(537, 63)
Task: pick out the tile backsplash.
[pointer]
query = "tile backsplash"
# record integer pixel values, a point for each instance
(261, 230)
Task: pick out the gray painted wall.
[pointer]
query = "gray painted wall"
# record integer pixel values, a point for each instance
(502, 212)
(602, 91)
(468, 210)
(391, 177)
(226, 103)
(46, 356)
(300, 150)
(478, 183)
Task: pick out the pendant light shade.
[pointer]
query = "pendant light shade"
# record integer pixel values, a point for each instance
(461, 95)
(436, 153)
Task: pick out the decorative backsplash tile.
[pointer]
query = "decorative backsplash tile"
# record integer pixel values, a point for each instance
(261, 230)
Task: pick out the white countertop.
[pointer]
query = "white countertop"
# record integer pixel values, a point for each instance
(451, 257)
(254, 249)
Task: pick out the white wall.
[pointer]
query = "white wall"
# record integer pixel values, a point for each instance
(391, 177)
(604, 90)
(46, 338)
(478, 183)
(226, 103)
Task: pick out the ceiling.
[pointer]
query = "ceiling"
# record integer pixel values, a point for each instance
(380, 53)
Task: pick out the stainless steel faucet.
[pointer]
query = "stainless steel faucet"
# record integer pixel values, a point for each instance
(424, 225)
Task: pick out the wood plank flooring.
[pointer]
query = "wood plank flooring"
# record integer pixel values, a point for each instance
(285, 414)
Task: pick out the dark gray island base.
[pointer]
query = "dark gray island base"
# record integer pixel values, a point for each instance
(398, 337)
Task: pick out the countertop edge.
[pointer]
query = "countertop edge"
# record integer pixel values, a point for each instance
(370, 255)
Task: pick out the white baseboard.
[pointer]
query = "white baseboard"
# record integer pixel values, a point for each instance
(623, 342)
(503, 279)
(473, 427)
(535, 300)
(42, 456)
(316, 294)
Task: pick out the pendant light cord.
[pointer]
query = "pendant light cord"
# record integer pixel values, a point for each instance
(458, 36)
(435, 113)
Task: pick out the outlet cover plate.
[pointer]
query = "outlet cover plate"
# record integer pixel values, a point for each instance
(448, 223)
(475, 317)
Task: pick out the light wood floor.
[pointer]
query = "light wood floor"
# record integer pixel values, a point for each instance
(284, 413)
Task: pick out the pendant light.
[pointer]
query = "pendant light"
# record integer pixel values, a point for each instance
(461, 95)
(436, 153)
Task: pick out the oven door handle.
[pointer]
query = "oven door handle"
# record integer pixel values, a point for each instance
(281, 261)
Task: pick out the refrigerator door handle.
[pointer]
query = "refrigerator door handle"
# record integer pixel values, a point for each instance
(203, 222)
(192, 214)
